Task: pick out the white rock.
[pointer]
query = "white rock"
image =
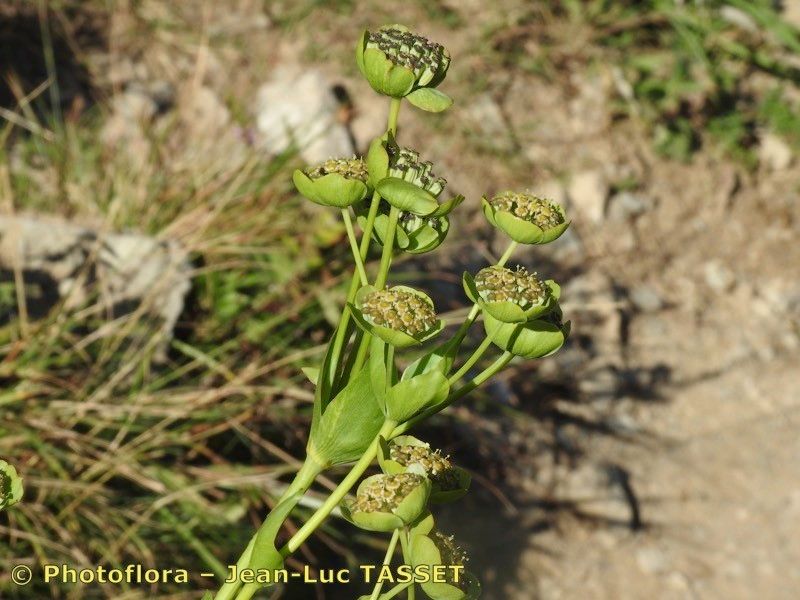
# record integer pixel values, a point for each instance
(297, 106)
(587, 193)
(127, 269)
(774, 153)
(718, 276)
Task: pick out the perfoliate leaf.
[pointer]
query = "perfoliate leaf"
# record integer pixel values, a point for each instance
(265, 554)
(348, 424)
(430, 99)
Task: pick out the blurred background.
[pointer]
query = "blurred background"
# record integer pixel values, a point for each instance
(161, 283)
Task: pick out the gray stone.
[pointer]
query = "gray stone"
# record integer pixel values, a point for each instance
(627, 205)
(488, 119)
(646, 299)
(297, 106)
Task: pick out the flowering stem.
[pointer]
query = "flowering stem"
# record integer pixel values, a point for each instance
(405, 542)
(394, 111)
(343, 330)
(387, 560)
(322, 513)
(301, 482)
(388, 248)
(507, 254)
(475, 357)
(351, 235)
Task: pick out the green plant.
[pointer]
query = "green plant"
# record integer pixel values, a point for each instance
(363, 403)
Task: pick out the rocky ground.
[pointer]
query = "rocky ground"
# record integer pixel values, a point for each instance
(664, 460)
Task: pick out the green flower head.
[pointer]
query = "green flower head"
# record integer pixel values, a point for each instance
(526, 219)
(386, 502)
(435, 548)
(405, 180)
(338, 182)
(415, 234)
(511, 296)
(536, 338)
(405, 452)
(10, 485)
(400, 316)
(396, 61)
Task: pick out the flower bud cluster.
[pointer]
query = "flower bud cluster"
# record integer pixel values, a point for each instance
(411, 222)
(414, 52)
(399, 310)
(438, 467)
(406, 164)
(499, 284)
(530, 208)
(386, 492)
(349, 168)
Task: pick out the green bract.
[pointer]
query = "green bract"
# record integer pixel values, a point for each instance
(414, 234)
(525, 218)
(400, 316)
(399, 64)
(10, 485)
(434, 549)
(337, 182)
(448, 482)
(406, 181)
(511, 296)
(387, 502)
(534, 339)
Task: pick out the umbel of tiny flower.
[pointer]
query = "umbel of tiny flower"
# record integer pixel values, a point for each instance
(10, 485)
(511, 296)
(434, 548)
(448, 482)
(387, 502)
(414, 234)
(338, 182)
(406, 181)
(526, 219)
(400, 316)
(533, 339)
(399, 63)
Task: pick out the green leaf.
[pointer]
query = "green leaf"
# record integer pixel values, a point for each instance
(312, 373)
(410, 396)
(407, 196)
(349, 423)
(265, 554)
(430, 99)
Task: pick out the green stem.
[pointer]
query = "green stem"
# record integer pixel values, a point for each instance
(351, 235)
(387, 560)
(394, 111)
(388, 248)
(405, 542)
(343, 330)
(395, 590)
(300, 484)
(507, 254)
(327, 507)
(475, 357)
